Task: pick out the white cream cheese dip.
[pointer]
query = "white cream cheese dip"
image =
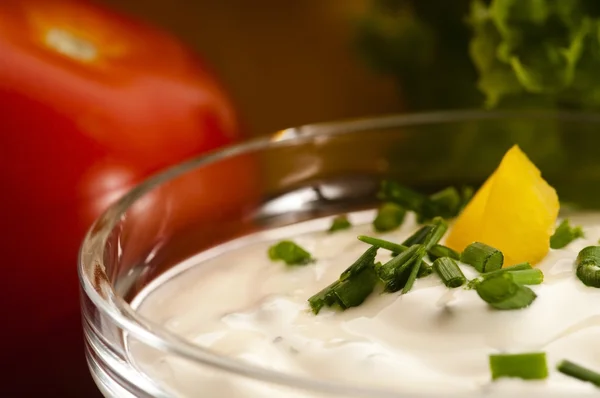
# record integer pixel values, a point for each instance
(433, 340)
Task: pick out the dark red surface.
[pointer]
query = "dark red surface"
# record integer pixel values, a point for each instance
(74, 135)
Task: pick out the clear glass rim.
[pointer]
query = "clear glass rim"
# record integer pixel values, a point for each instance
(98, 290)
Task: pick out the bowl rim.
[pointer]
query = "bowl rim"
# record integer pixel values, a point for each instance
(95, 285)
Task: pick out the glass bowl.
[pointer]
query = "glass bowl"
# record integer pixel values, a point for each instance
(295, 175)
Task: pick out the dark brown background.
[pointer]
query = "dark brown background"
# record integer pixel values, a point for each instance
(284, 62)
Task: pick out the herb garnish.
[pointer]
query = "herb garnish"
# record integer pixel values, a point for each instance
(290, 253)
(446, 203)
(503, 293)
(482, 257)
(389, 217)
(352, 288)
(588, 266)
(529, 366)
(340, 223)
(579, 372)
(401, 271)
(449, 272)
(438, 251)
(565, 234)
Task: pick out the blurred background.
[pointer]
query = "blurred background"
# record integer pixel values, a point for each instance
(95, 96)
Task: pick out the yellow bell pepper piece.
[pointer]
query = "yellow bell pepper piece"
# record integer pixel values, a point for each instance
(514, 211)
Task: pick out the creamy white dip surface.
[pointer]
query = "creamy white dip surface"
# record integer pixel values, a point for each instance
(433, 341)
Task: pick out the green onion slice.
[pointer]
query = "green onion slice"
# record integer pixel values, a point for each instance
(340, 223)
(482, 257)
(501, 292)
(565, 234)
(579, 372)
(347, 293)
(290, 253)
(528, 366)
(588, 266)
(528, 276)
(366, 260)
(425, 270)
(389, 217)
(449, 272)
(438, 251)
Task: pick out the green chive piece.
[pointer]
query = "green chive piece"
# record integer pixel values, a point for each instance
(384, 244)
(425, 270)
(438, 251)
(517, 267)
(433, 237)
(435, 252)
(528, 366)
(389, 217)
(588, 266)
(366, 260)
(445, 203)
(579, 372)
(340, 223)
(565, 234)
(533, 276)
(350, 292)
(290, 253)
(391, 191)
(325, 297)
(353, 292)
(412, 277)
(436, 233)
(501, 292)
(419, 236)
(482, 257)
(392, 272)
(449, 272)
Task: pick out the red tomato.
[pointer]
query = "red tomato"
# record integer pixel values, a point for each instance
(91, 102)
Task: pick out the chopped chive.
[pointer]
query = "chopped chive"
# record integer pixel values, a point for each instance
(290, 253)
(438, 251)
(528, 276)
(516, 267)
(449, 272)
(425, 270)
(412, 277)
(350, 292)
(436, 233)
(501, 292)
(579, 372)
(392, 271)
(340, 223)
(366, 260)
(588, 266)
(325, 297)
(391, 191)
(565, 234)
(433, 237)
(445, 203)
(529, 366)
(353, 292)
(435, 252)
(419, 236)
(389, 217)
(482, 257)
(384, 244)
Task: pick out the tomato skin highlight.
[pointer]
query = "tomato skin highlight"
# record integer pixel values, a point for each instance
(91, 103)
